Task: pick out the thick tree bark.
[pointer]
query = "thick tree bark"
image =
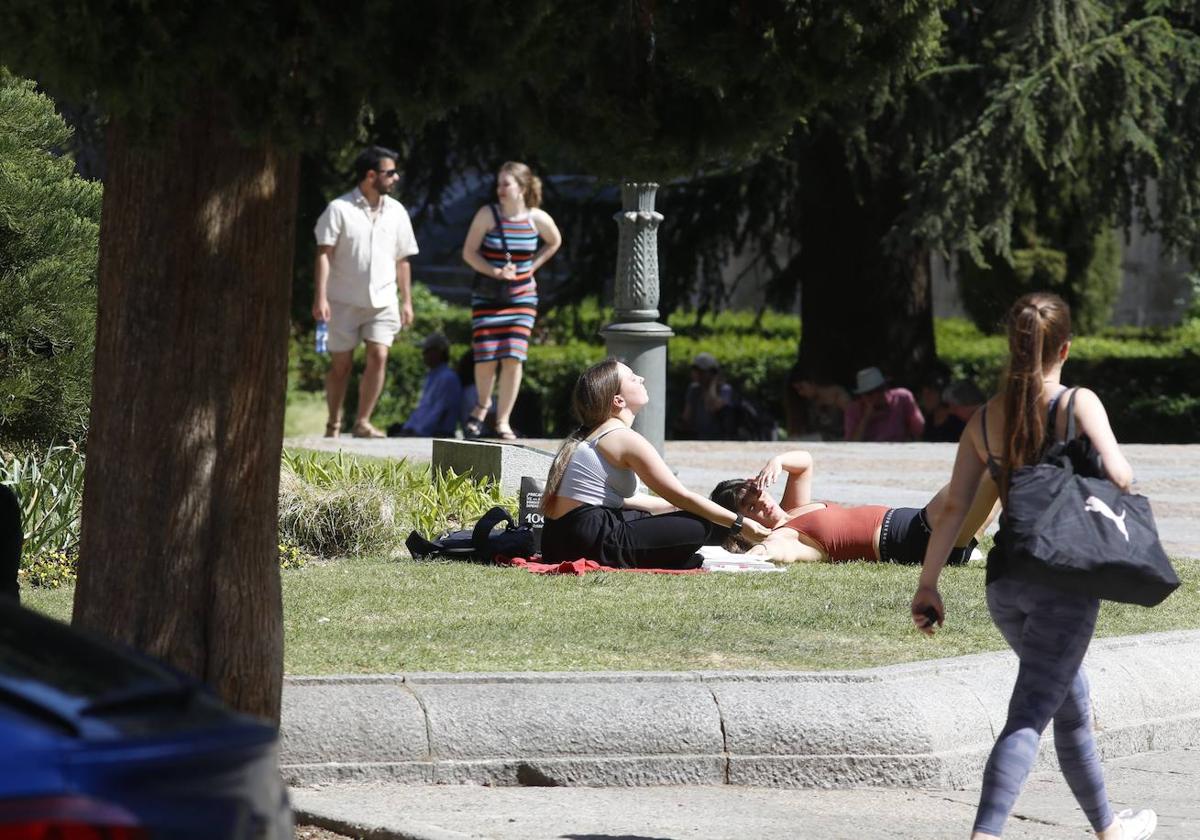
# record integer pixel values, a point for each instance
(859, 305)
(179, 551)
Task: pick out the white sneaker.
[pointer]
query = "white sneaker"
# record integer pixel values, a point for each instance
(1137, 826)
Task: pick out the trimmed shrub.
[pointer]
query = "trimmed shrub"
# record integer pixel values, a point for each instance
(1144, 376)
(49, 235)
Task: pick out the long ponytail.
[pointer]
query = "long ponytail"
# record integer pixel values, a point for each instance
(591, 403)
(1038, 325)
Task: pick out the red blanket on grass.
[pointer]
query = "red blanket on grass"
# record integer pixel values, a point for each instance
(581, 567)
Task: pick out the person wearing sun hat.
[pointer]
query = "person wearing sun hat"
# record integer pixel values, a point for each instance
(882, 414)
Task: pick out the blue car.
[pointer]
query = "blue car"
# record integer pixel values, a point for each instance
(100, 742)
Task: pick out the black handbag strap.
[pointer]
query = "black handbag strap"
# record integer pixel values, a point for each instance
(483, 528)
(500, 228)
(1065, 464)
(1070, 415)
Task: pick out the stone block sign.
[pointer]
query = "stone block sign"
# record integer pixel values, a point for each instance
(504, 462)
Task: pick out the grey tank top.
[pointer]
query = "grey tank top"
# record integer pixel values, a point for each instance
(591, 479)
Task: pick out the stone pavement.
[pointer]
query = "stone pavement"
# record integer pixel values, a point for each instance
(1165, 781)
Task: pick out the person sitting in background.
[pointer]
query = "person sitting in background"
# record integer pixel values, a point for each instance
(963, 398)
(815, 407)
(882, 414)
(940, 424)
(437, 412)
(709, 402)
(956, 403)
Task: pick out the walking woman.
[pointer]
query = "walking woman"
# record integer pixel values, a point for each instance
(502, 247)
(1048, 629)
(592, 507)
(807, 531)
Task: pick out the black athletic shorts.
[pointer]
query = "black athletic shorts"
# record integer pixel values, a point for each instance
(904, 537)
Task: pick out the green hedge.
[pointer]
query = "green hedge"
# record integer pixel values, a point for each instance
(1147, 378)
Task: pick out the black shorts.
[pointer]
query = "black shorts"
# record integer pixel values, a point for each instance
(904, 537)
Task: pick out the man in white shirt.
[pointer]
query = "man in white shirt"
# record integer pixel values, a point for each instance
(364, 240)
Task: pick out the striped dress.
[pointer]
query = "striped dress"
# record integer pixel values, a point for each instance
(500, 327)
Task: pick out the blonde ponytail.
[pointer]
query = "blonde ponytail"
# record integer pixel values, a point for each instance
(533, 193)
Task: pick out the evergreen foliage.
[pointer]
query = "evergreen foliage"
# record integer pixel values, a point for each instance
(49, 228)
(1040, 126)
(1057, 251)
(1103, 91)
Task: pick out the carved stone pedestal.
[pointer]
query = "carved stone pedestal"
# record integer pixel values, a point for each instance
(636, 336)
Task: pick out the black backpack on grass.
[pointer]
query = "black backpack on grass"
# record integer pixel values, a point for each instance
(480, 544)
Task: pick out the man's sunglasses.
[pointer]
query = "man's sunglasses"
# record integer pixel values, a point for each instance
(388, 173)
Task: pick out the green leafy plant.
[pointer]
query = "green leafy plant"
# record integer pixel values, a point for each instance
(49, 485)
(333, 505)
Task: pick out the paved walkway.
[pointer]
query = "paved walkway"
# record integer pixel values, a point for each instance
(1165, 781)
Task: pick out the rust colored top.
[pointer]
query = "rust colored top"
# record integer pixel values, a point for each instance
(844, 533)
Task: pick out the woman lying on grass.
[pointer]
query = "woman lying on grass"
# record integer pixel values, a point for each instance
(804, 531)
(593, 510)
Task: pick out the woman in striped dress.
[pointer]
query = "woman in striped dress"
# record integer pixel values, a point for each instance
(502, 247)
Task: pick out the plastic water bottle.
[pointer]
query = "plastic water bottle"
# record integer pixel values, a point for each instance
(322, 337)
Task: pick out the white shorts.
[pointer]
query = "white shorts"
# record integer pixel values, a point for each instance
(351, 325)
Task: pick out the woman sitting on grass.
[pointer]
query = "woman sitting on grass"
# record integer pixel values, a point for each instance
(592, 507)
(804, 531)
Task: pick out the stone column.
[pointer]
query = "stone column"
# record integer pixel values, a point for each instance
(636, 336)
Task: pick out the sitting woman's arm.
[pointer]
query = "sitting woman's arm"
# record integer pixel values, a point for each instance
(628, 449)
(649, 504)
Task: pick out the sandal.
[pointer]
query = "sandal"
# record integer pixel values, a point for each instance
(333, 428)
(505, 432)
(364, 429)
(473, 428)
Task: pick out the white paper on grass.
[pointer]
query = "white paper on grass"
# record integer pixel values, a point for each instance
(717, 559)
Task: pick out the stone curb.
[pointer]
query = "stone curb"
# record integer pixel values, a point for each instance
(925, 724)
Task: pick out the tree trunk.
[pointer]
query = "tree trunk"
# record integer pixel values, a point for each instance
(859, 305)
(179, 552)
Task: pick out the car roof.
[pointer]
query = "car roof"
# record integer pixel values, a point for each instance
(57, 670)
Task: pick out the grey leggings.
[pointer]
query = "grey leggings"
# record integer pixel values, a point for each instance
(1049, 630)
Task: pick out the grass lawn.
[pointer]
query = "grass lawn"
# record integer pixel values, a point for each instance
(374, 615)
(305, 414)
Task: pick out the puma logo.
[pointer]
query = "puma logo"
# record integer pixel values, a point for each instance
(1097, 506)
